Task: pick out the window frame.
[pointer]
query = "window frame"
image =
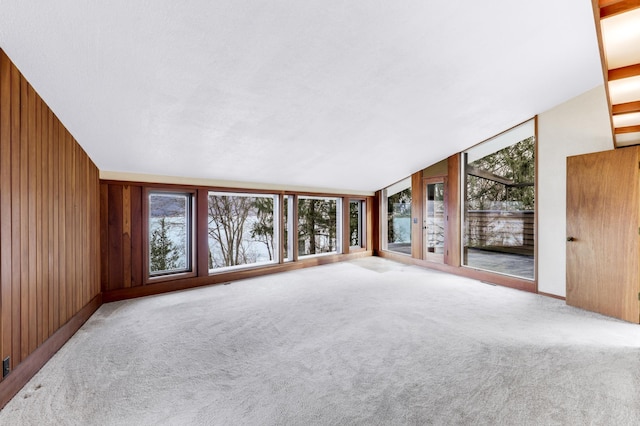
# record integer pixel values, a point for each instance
(289, 231)
(405, 184)
(189, 272)
(531, 125)
(339, 226)
(362, 224)
(427, 255)
(277, 214)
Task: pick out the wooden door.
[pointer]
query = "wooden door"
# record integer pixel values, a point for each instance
(603, 257)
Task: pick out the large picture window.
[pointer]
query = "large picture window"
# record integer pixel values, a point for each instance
(170, 233)
(241, 230)
(499, 203)
(244, 230)
(397, 224)
(318, 225)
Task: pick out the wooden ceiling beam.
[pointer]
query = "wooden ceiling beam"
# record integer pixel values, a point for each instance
(605, 3)
(624, 72)
(603, 62)
(628, 129)
(614, 8)
(626, 108)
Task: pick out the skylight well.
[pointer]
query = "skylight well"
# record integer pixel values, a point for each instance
(619, 37)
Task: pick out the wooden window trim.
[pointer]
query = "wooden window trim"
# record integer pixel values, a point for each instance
(277, 213)
(383, 219)
(346, 220)
(339, 225)
(294, 228)
(193, 272)
(506, 280)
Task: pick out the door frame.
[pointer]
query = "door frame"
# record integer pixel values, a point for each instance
(433, 257)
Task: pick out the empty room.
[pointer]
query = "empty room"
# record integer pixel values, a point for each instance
(320, 212)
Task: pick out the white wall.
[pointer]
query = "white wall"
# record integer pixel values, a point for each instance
(578, 126)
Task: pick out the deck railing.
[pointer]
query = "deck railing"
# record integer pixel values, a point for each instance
(500, 230)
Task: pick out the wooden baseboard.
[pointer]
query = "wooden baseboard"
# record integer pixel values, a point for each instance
(193, 282)
(19, 377)
(493, 278)
(555, 296)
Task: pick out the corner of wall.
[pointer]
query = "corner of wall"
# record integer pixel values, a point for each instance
(578, 126)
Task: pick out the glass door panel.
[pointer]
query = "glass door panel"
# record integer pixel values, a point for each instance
(434, 221)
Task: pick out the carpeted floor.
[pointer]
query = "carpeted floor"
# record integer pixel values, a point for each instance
(366, 342)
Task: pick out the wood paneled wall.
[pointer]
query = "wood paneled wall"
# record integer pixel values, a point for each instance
(122, 239)
(417, 214)
(49, 222)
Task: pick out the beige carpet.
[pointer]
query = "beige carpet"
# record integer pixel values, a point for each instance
(367, 342)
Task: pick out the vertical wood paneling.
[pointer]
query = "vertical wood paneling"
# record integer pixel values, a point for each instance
(37, 165)
(417, 206)
(81, 232)
(90, 237)
(202, 222)
(136, 237)
(6, 316)
(94, 273)
(31, 222)
(49, 221)
(452, 236)
(15, 216)
(346, 232)
(24, 223)
(79, 229)
(97, 233)
(104, 236)
(114, 227)
(126, 235)
(70, 222)
(372, 223)
(375, 222)
(55, 272)
(85, 230)
(62, 234)
(44, 162)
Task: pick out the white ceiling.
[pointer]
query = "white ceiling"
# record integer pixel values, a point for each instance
(349, 95)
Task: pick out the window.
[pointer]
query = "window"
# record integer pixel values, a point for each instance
(356, 223)
(499, 203)
(288, 221)
(318, 225)
(241, 230)
(397, 226)
(170, 233)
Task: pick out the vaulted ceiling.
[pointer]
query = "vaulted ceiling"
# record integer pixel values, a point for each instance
(349, 95)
